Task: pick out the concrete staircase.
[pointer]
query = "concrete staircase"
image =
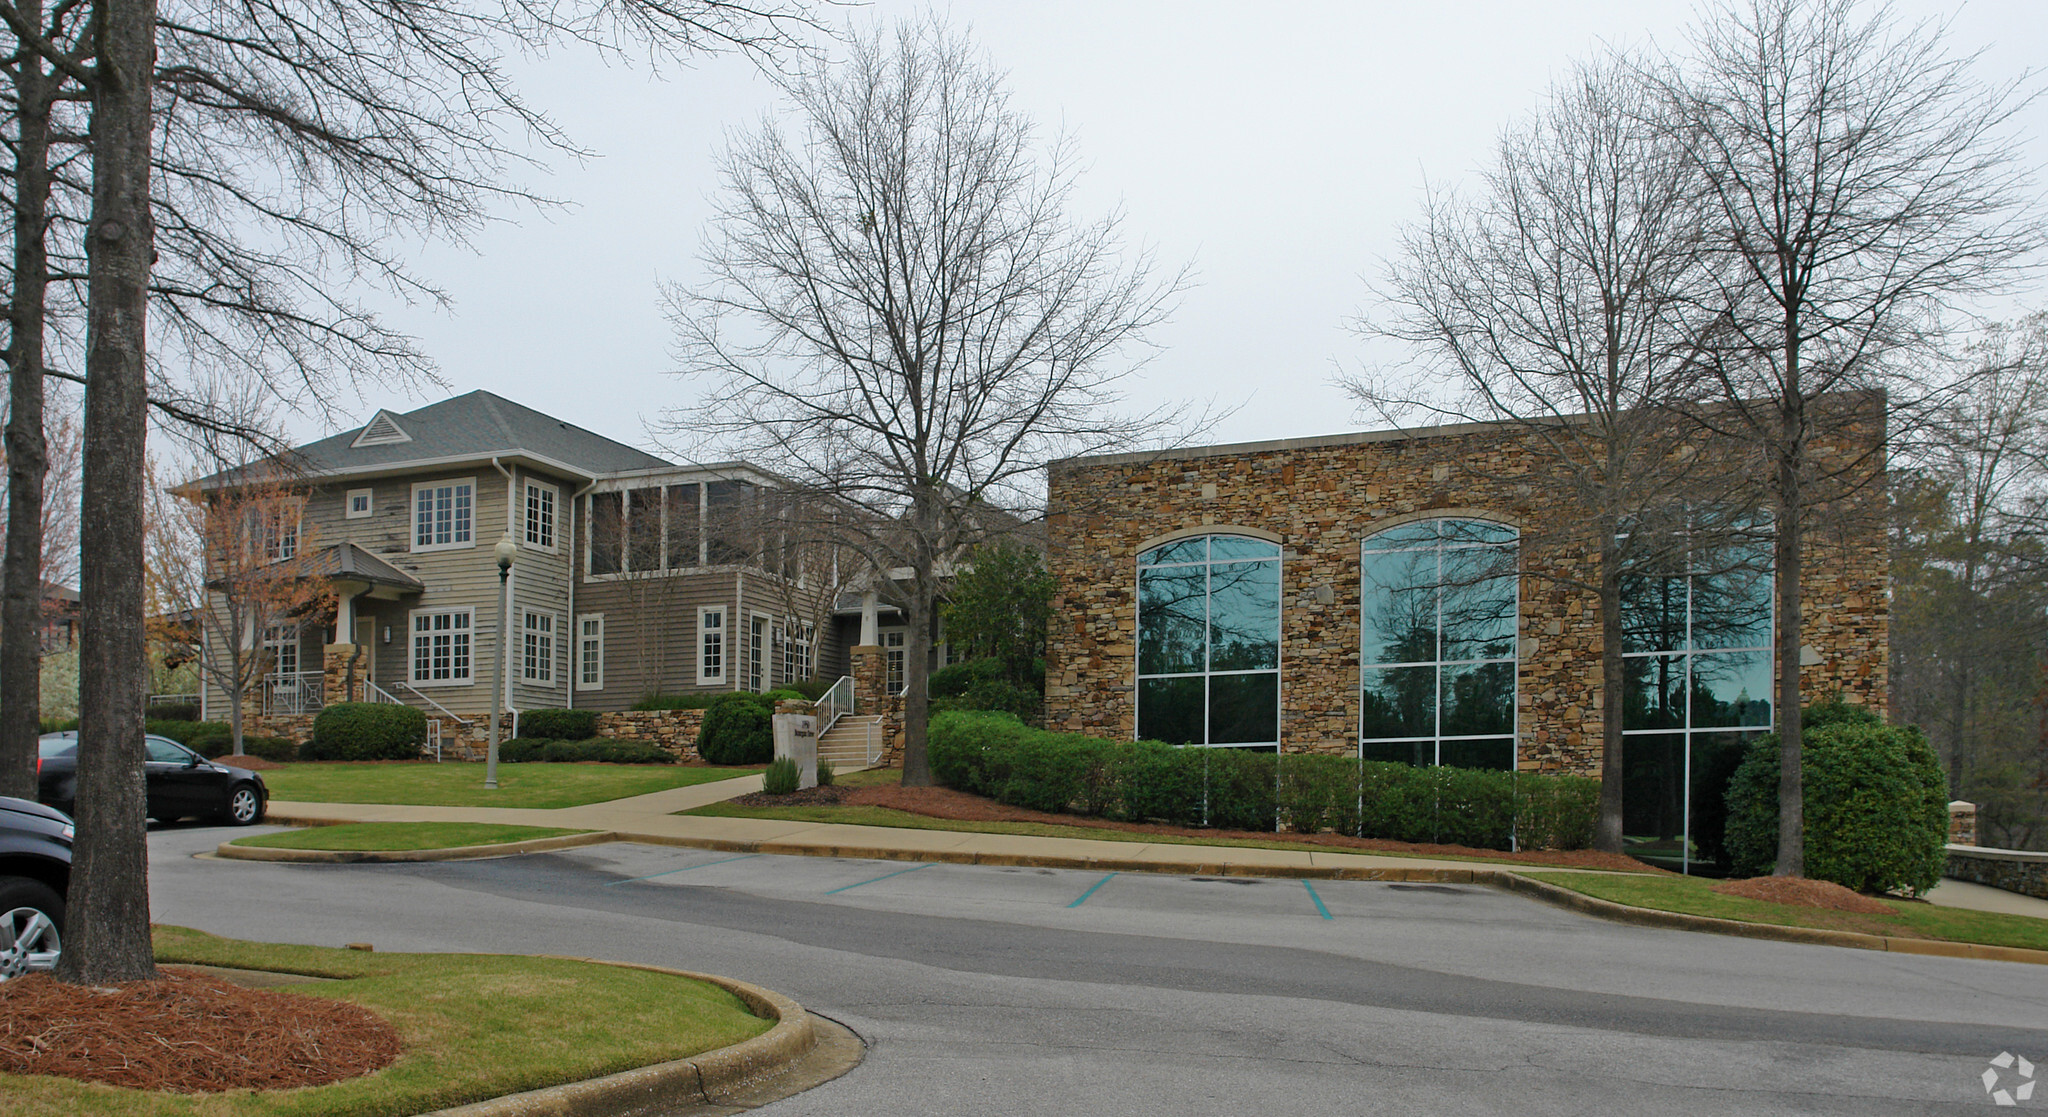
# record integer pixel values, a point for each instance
(853, 742)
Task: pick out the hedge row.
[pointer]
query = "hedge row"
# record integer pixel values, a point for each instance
(609, 750)
(996, 755)
(366, 731)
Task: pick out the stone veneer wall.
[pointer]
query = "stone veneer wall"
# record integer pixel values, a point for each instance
(1321, 498)
(2011, 869)
(675, 731)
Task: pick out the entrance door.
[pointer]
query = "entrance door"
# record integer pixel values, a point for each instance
(366, 639)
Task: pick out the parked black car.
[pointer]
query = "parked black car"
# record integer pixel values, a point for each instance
(181, 783)
(35, 872)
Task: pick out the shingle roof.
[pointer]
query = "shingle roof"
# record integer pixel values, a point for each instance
(478, 424)
(346, 560)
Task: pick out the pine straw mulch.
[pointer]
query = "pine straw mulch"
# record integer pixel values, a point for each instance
(1801, 892)
(944, 802)
(187, 1033)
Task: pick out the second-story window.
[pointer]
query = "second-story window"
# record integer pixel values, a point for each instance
(277, 525)
(443, 513)
(540, 515)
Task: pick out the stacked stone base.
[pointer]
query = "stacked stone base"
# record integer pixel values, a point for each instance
(673, 731)
(2013, 870)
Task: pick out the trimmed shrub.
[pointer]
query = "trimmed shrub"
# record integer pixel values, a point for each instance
(174, 711)
(737, 729)
(605, 750)
(56, 725)
(366, 731)
(521, 750)
(183, 732)
(784, 694)
(982, 684)
(1876, 804)
(559, 725)
(996, 755)
(811, 689)
(781, 777)
(268, 748)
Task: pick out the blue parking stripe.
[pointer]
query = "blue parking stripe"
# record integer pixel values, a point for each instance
(1090, 892)
(684, 869)
(884, 876)
(1318, 899)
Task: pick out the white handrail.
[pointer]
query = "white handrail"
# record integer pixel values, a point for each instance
(836, 703)
(292, 692)
(378, 695)
(445, 711)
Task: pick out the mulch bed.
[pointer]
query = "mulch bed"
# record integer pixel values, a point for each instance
(1801, 892)
(247, 763)
(187, 1033)
(943, 802)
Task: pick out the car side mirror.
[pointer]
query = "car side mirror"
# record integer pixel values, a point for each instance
(191, 761)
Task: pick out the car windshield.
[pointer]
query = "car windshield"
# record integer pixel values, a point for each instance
(57, 746)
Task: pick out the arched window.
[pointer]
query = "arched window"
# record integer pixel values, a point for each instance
(1209, 641)
(1437, 637)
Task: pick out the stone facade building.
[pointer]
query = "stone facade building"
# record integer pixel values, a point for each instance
(1409, 596)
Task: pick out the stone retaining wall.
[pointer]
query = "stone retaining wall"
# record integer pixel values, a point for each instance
(674, 731)
(2014, 870)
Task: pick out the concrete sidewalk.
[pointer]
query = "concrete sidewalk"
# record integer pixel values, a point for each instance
(652, 819)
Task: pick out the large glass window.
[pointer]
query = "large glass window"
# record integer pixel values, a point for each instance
(1696, 643)
(440, 648)
(1209, 641)
(1437, 639)
(441, 514)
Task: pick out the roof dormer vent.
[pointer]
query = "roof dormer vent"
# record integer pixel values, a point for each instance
(381, 430)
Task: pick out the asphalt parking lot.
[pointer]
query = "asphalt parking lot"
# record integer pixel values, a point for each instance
(984, 989)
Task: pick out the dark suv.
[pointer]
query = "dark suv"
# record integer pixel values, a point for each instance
(180, 782)
(35, 871)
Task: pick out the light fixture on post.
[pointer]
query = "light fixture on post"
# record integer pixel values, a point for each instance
(506, 553)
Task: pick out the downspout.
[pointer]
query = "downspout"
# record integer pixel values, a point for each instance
(511, 590)
(736, 649)
(570, 549)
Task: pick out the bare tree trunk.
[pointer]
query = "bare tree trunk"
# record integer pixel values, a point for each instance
(21, 580)
(917, 672)
(1789, 552)
(1613, 702)
(108, 926)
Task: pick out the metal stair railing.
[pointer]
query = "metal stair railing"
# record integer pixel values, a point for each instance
(836, 703)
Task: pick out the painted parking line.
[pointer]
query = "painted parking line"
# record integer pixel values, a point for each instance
(884, 876)
(684, 869)
(1318, 899)
(1090, 892)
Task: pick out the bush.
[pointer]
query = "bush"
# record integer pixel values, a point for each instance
(174, 711)
(737, 729)
(366, 731)
(996, 755)
(56, 725)
(781, 777)
(521, 750)
(183, 732)
(825, 773)
(811, 689)
(558, 725)
(982, 684)
(269, 748)
(1876, 804)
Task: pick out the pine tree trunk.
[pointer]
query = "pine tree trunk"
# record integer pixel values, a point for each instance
(21, 572)
(107, 926)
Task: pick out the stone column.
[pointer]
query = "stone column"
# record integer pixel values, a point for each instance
(870, 679)
(1962, 823)
(334, 674)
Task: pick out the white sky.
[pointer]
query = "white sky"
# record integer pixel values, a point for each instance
(1278, 147)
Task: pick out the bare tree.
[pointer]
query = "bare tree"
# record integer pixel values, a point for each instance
(1859, 178)
(1555, 300)
(902, 317)
(236, 556)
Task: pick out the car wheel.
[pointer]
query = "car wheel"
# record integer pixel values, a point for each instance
(245, 806)
(31, 927)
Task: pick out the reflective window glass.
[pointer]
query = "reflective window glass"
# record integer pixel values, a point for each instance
(1209, 641)
(1439, 607)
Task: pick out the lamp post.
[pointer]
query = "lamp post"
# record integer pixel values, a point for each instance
(506, 551)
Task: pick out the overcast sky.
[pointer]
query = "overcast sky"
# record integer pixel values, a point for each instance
(1276, 147)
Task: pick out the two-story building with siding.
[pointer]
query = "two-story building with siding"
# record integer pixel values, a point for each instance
(633, 575)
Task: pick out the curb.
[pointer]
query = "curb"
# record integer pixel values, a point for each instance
(233, 852)
(1678, 921)
(704, 1079)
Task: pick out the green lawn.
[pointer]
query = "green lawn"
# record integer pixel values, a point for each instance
(885, 816)
(475, 1026)
(1911, 919)
(388, 836)
(453, 784)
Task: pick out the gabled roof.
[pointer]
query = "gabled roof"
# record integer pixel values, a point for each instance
(472, 427)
